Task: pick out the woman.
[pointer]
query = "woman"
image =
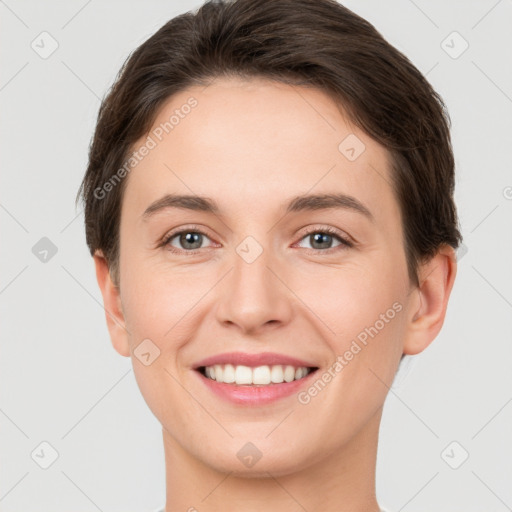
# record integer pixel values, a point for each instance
(269, 205)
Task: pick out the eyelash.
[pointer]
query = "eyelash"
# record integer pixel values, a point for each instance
(345, 243)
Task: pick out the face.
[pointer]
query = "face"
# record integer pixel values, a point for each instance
(324, 283)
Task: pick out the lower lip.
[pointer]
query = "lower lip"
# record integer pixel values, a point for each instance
(255, 394)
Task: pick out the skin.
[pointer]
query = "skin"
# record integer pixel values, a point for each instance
(251, 146)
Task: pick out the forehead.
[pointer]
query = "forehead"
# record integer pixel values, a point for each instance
(253, 143)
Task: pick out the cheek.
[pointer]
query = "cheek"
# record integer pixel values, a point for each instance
(352, 298)
(144, 296)
(165, 306)
(157, 317)
(158, 298)
(151, 308)
(363, 317)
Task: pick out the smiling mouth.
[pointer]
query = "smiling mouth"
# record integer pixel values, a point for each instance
(265, 375)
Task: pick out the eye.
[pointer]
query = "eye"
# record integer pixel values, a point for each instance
(322, 238)
(189, 240)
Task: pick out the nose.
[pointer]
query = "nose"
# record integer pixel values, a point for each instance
(254, 296)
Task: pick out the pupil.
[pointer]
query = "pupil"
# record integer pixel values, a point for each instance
(190, 238)
(319, 236)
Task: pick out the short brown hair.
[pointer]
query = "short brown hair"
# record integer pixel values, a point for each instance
(314, 43)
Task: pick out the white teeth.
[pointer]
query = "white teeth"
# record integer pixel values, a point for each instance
(243, 375)
(277, 374)
(218, 371)
(260, 375)
(228, 375)
(289, 373)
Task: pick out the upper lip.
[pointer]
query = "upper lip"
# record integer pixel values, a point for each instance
(253, 360)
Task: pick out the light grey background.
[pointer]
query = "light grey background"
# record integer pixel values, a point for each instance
(62, 382)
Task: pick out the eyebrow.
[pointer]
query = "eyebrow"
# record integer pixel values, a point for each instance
(296, 204)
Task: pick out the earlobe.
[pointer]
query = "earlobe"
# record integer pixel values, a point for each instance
(112, 305)
(429, 309)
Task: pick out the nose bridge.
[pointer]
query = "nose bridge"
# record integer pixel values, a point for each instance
(253, 296)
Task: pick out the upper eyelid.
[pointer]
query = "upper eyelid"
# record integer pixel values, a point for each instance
(342, 235)
(344, 238)
(187, 229)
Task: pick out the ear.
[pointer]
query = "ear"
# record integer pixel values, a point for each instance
(112, 305)
(428, 308)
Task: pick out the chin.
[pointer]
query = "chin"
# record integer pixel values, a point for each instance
(261, 464)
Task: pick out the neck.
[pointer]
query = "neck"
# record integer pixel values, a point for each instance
(344, 481)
